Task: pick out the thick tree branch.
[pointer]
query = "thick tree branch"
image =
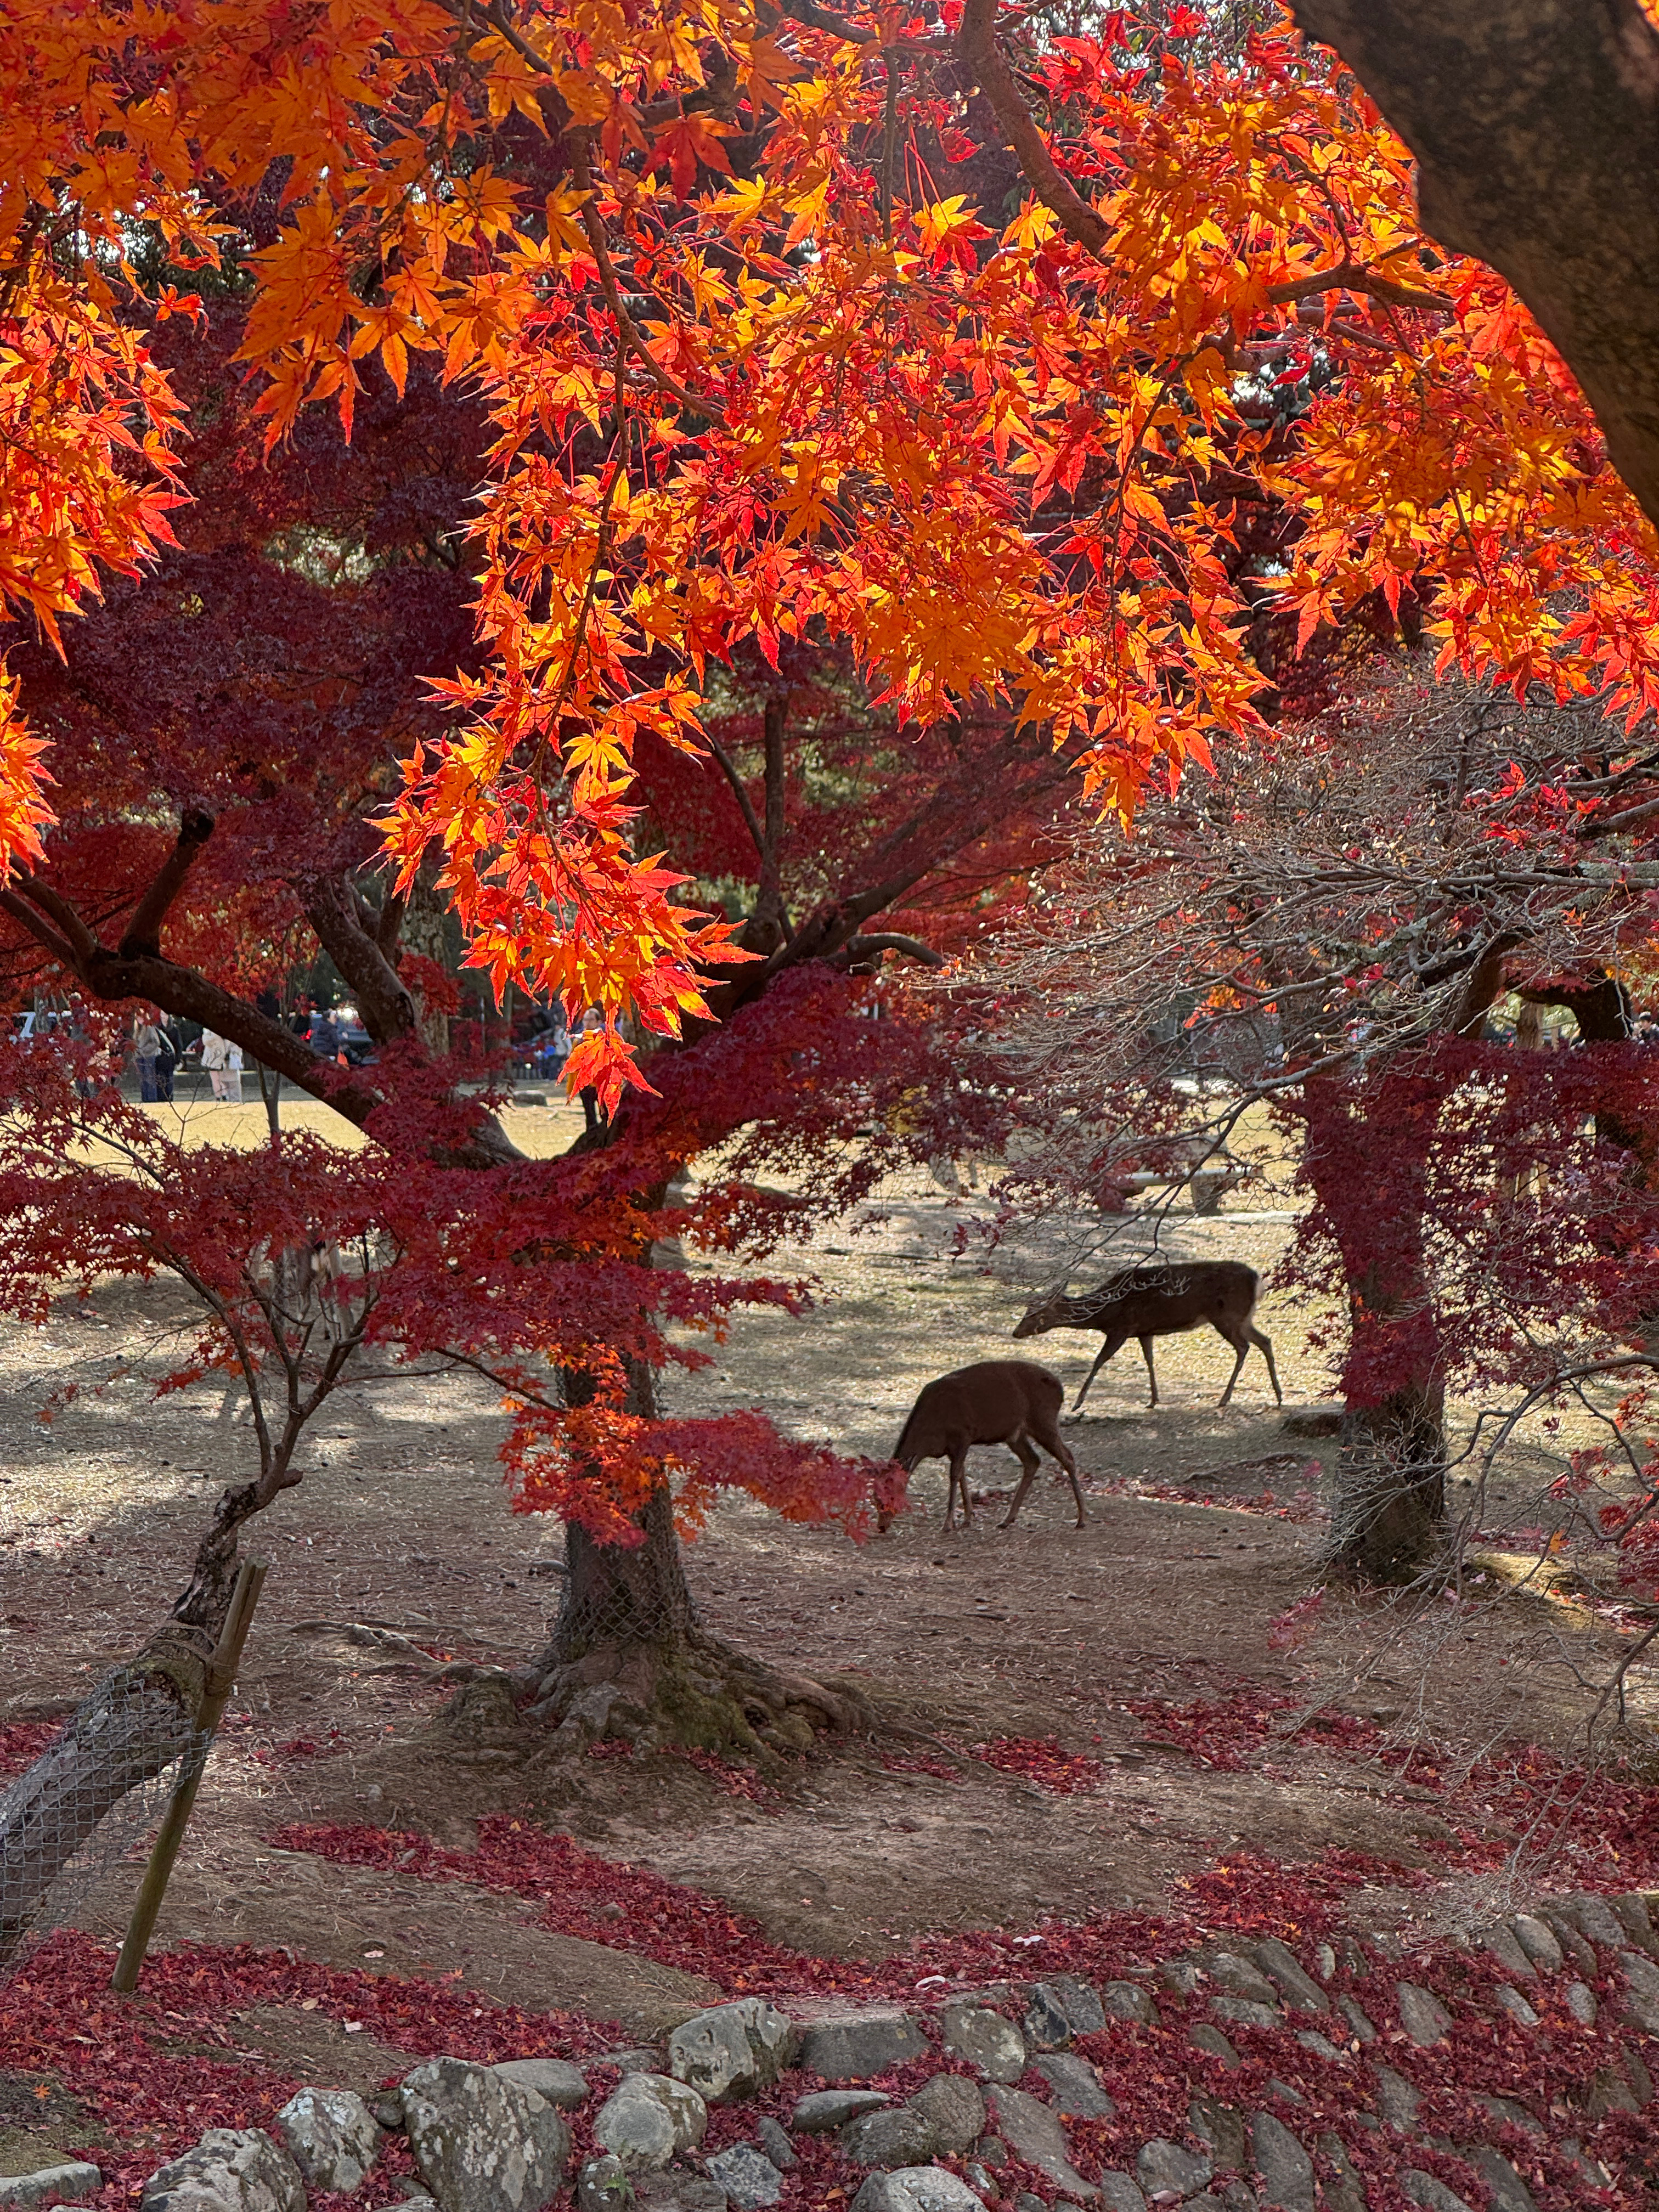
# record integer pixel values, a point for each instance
(143, 932)
(1535, 125)
(977, 46)
(891, 940)
(769, 901)
(384, 999)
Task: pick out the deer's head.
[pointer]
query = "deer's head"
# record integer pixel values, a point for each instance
(1041, 1313)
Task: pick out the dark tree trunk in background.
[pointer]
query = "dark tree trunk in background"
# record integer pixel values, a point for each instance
(1366, 1157)
(1536, 126)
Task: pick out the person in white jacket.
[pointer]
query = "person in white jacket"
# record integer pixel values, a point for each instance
(223, 1062)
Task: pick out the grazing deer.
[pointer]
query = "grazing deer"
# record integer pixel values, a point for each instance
(1161, 1301)
(999, 1401)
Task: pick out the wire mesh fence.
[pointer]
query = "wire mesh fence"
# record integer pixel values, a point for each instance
(89, 1800)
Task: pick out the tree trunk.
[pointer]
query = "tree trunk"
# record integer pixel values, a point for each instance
(629, 1660)
(1367, 1156)
(1391, 1486)
(425, 932)
(132, 1727)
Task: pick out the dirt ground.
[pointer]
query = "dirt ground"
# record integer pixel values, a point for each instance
(402, 1525)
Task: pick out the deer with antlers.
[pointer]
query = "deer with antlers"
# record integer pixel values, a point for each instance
(1162, 1300)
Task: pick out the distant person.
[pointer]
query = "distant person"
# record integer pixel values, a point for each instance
(146, 1044)
(324, 1035)
(167, 1060)
(223, 1062)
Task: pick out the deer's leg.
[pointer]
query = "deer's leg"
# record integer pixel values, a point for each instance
(1241, 1345)
(1057, 1448)
(958, 1481)
(1264, 1346)
(1107, 1349)
(1151, 1371)
(1021, 1448)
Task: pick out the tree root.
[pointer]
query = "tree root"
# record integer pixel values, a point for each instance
(695, 1693)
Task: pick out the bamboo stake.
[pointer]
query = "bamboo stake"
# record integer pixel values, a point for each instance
(218, 1682)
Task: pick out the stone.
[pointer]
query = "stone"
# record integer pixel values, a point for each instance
(1642, 1994)
(1609, 2092)
(979, 2178)
(602, 2185)
(1631, 1911)
(1295, 1986)
(823, 2109)
(1422, 2016)
(1510, 2113)
(1212, 2040)
(1357, 2019)
(331, 2137)
(954, 2107)
(632, 2058)
(230, 2170)
(1581, 1953)
(1033, 2133)
(1239, 1978)
(1120, 2193)
(1283, 2091)
(1180, 1975)
(893, 2138)
(1320, 2045)
(1398, 2099)
(1434, 2196)
(993, 2151)
(389, 2112)
(1129, 2001)
(650, 2118)
(774, 2142)
(1635, 2074)
(482, 2144)
(1515, 2005)
(554, 2079)
(1028, 2201)
(677, 2191)
(857, 2045)
(1595, 1918)
(1220, 2128)
(1537, 1941)
(917, 2189)
(747, 2175)
(1324, 1962)
(1509, 2192)
(73, 2178)
(1060, 2008)
(1581, 2004)
(733, 2051)
(1505, 1946)
(1243, 2012)
(1286, 2169)
(1162, 2166)
(1074, 2086)
(984, 2038)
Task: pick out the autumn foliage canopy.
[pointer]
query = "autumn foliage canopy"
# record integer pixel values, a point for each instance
(776, 344)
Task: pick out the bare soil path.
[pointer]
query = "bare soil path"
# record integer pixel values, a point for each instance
(1204, 1528)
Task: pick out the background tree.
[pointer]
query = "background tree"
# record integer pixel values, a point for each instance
(1327, 928)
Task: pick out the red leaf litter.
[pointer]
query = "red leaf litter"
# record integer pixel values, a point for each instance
(59, 2017)
(1043, 1760)
(736, 1781)
(22, 1743)
(918, 1763)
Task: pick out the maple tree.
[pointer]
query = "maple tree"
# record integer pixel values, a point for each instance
(1327, 931)
(765, 369)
